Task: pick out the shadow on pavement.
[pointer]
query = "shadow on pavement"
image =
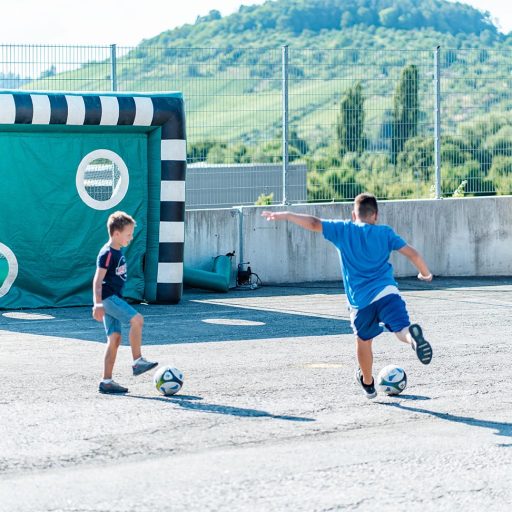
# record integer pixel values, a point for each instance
(413, 397)
(196, 319)
(192, 403)
(265, 313)
(502, 428)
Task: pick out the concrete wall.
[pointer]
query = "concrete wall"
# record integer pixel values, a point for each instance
(209, 233)
(458, 237)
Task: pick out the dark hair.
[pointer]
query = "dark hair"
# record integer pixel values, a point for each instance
(365, 205)
(117, 221)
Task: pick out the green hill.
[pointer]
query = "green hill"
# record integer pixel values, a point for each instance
(274, 22)
(229, 69)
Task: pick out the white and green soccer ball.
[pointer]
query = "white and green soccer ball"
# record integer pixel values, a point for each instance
(168, 380)
(392, 380)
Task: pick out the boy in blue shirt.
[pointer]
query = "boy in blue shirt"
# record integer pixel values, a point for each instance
(109, 307)
(372, 294)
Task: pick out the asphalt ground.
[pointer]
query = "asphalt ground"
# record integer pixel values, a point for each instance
(269, 417)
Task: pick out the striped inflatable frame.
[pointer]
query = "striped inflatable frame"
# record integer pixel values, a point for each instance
(123, 109)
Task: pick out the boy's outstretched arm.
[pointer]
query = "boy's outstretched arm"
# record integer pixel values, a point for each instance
(301, 219)
(417, 260)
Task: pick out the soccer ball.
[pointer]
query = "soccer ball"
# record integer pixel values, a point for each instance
(168, 380)
(392, 380)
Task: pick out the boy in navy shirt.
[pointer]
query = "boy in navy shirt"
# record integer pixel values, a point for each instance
(109, 307)
(372, 294)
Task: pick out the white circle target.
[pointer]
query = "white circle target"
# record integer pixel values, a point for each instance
(120, 190)
(12, 274)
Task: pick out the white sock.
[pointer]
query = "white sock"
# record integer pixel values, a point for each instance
(137, 360)
(106, 381)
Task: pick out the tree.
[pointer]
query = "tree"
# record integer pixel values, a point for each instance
(418, 158)
(265, 199)
(500, 143)
(500, 174)
(48, 73)
(347, 19)
(296, 143)
(389, 16)
(405, 112)
(213, 15)
(350, 126)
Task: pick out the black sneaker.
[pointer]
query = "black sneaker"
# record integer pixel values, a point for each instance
(112, 388)
(420, 345)
(368, 389)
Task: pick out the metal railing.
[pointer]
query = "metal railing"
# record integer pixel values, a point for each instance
(398, 123)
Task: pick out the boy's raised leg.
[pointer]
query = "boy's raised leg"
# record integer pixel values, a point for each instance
(413, 336)
(136, 324)
(140, 365)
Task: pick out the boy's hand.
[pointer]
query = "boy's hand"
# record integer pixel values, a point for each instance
(274, 215)
(428, 278)
(301, 219)
(98, 313)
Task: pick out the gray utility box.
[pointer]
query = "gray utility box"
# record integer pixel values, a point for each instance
(227, 185)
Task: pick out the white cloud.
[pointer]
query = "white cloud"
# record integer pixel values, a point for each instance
(500, 10)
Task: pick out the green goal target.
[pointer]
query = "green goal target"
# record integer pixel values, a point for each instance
(68, 161)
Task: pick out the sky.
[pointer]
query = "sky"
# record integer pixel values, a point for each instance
(501, 12)
(126, 23)
(101, 22)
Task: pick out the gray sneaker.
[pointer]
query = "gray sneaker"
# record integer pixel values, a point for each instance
(142, 366)
(112, 388)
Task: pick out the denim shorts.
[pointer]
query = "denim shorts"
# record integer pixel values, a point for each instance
(389, 311)
(117, 312)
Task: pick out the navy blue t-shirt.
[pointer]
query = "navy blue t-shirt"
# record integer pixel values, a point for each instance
(115, 263)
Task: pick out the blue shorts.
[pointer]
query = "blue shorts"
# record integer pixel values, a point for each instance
(117, 311)
(390, 311)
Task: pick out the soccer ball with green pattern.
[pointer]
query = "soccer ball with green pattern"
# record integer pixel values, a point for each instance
(168, 380)
(392, 380)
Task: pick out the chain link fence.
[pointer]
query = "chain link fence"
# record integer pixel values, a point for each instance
(274, 125)
(476, 121)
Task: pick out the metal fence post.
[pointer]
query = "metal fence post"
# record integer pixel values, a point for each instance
(113, 68)
(284, 55)
(437, 122)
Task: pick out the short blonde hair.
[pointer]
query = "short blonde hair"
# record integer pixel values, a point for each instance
(117, 221)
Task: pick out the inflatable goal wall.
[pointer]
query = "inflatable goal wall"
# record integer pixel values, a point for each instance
(68, 161)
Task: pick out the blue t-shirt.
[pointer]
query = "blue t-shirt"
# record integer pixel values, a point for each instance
(115, 263)
(364, 251)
